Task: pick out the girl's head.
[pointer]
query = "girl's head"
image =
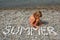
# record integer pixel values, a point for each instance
(37, 14)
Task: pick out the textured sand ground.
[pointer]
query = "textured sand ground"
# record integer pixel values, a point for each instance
(16, 18)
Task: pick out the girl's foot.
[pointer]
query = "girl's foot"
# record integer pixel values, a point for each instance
(37, 27)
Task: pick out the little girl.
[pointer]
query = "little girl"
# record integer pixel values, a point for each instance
(34, 19)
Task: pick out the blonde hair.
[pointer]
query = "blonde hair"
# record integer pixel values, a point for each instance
(38, 13)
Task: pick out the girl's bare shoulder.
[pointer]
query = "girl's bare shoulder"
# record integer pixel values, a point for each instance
(32, 17)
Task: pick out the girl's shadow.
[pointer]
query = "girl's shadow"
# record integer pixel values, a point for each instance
(42, 22)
